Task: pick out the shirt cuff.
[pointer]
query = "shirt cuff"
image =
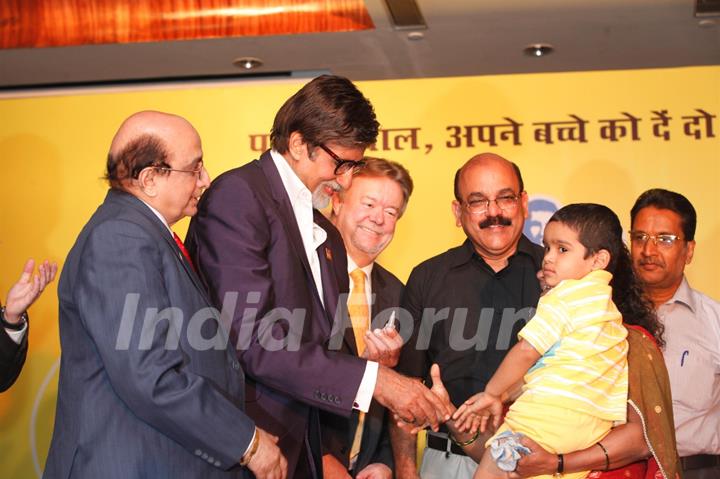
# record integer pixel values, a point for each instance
(17, 336)
(367, 387)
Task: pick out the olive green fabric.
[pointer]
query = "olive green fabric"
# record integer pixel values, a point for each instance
(649, 392)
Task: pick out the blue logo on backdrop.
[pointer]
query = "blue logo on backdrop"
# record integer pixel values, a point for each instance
(540, 209)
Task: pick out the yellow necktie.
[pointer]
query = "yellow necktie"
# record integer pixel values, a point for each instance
(360, 319)
(358, 309)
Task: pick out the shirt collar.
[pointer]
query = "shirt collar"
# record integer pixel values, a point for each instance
(160, 217)
(600, 276)
(298, 193)
(465, 252)
(684, 295)
(352, 267)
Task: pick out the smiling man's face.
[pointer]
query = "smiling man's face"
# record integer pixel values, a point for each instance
(366, 215)
(494, 233)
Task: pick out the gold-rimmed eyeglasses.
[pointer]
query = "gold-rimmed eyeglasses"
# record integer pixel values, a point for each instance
(663, 240)
(478, 206)
(197, 171)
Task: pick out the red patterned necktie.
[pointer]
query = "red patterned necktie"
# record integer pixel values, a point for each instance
(182, 248)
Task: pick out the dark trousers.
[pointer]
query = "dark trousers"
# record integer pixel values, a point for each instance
(704, 473)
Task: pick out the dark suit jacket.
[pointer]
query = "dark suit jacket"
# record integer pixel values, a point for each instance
(148, 386)
(338, 432)
(246, 243)
(12, 358)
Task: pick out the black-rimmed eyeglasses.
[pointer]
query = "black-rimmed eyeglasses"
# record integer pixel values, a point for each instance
(342, 166)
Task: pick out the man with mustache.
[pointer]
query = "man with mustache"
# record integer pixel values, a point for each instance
(366, 215)
(662, 243)
(469, 303)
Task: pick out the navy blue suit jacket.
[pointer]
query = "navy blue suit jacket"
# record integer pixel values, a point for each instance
(148, 386)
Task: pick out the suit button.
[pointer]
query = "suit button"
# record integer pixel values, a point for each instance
(204, 455)
(323, 396)
(337, 400)
(211, 459)
(217, 464)
(235, 365)
(198, 452)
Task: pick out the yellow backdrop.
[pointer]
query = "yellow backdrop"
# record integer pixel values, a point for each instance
(600, 136)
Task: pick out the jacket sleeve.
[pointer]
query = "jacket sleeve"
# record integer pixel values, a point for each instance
(12, 358)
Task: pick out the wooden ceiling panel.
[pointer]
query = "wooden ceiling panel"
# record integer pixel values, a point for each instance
(51, 23)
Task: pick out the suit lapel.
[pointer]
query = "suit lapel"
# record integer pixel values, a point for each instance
(286, 214)
(162, 233)
(331, 290)
(188, 267)
(378, 283)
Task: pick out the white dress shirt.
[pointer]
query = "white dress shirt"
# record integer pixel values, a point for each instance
(692, 356)
(160, 217)
(313, 236)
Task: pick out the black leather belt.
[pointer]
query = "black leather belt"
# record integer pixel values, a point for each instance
(699, 461)
(440, 443)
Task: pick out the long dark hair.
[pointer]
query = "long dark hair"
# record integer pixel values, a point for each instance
(599, 228)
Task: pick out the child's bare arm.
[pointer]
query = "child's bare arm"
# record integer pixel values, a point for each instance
(476, 411)
(517, 362)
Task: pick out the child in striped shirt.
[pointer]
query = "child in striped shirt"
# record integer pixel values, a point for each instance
(572, 354)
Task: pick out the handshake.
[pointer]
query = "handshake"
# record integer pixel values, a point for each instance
(408, 399)
(432, 407)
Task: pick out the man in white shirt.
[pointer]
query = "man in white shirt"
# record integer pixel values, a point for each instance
(14, 319)
(366, 215)
(662, 244)
(256, 243)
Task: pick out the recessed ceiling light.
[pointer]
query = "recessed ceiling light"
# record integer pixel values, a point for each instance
(415, 36)
(538, 49)
(707, 22)
(247, 63)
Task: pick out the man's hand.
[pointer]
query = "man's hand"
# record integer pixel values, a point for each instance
(537, 463)
(28, 289)
(376, 470)
(333, 469)
(438, 389)
(409, 399)
(268, 462)
(383, 346)
(544, 287)
(475, 412)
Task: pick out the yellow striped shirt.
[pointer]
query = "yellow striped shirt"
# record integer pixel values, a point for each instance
(578, 330)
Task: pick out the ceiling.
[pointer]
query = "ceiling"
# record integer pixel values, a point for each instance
(463, 37)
